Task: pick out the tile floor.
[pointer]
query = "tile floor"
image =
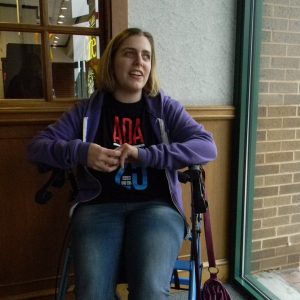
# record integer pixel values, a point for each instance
(293, 278)
(284, 284)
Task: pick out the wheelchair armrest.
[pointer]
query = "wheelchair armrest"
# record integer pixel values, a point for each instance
(194, 172)
(196, 176)
(56, 179)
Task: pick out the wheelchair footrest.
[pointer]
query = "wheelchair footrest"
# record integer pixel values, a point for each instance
(182, 265)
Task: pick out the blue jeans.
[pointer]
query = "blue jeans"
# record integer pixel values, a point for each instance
(147, 236)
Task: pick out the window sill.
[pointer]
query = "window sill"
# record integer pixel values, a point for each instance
(32, 111)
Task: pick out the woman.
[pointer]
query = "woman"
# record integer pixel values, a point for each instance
(126, 143)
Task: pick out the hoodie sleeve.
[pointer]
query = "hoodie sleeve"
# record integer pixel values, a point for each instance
(189, 142)
(60, 145)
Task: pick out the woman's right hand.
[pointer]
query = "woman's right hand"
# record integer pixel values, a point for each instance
(103, 159)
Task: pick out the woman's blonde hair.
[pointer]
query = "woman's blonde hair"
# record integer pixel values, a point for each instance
(106, 79)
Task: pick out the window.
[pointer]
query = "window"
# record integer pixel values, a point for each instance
(268, 193)
(49, 49)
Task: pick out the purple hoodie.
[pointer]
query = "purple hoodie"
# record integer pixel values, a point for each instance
(182, 142)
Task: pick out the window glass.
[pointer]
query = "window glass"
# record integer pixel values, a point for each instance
(69, 70)
(269, 157)
(21, 75)
(16, 11)
(74, 60)
(276, 209)
(73, 12)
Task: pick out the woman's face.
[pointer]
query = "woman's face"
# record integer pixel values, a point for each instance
(132, 66)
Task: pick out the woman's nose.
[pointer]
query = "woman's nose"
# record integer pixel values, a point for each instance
(139, 60)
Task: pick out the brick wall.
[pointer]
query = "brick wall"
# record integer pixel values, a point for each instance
(276, 216)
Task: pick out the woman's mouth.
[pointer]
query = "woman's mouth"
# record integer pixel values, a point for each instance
(136, 73)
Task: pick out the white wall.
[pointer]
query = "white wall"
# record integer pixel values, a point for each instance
(195, 42)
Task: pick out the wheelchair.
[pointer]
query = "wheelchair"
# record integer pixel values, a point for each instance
(195, 175)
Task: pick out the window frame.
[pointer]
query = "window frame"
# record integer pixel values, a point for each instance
(248, 43)
(104, 32)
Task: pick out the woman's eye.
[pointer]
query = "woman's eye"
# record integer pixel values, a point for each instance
(146, 56)
(129, 54)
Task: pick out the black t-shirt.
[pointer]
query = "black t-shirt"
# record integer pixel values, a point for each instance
(128, 123)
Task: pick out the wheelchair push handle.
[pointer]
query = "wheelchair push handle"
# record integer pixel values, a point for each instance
(57, 179)
(196, 176)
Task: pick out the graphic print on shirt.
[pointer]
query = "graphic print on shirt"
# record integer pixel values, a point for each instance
(127, 130)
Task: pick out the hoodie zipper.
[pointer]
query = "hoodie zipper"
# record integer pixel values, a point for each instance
(165, 140)
(84, 134)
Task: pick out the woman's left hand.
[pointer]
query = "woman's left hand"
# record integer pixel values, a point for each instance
(129, 153)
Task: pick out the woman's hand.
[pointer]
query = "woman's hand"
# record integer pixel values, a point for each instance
(129, 153)
(103, 159)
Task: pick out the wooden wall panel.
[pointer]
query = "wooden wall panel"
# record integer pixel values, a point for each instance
(32, 235)
(219, 121)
